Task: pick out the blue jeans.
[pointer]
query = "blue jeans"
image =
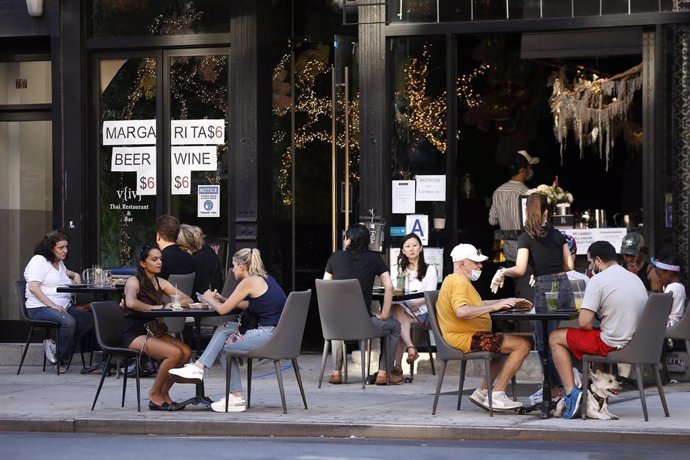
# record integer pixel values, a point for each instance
(546, 283)
(219, 345)
(73, 324)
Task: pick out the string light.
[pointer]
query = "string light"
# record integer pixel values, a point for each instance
(314, 114)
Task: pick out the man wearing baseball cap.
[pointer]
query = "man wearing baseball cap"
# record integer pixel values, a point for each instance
(505, 212)
(465, 322)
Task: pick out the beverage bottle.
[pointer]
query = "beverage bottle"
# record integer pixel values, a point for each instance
(400, 281)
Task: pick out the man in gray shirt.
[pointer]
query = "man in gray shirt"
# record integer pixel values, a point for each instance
(618, 297)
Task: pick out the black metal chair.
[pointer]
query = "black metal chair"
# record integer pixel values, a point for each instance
(109, 320)
(285, 343)
(48, 326)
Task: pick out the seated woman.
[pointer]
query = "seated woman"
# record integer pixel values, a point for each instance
(43, 274)
(422, 277)
(257, 293)
(144, 292)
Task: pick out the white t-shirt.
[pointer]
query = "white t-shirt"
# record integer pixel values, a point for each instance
(618, 296)
(574, 275)
(678, 291)
(428, 283)
(39, 269)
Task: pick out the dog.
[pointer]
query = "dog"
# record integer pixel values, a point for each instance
(601, 386)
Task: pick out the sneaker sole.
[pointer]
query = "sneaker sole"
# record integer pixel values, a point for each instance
(478, 403)
(230, 409)
(195, 378)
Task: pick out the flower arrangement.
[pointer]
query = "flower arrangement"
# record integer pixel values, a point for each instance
(553, 193)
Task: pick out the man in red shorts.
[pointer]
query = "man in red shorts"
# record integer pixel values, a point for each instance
(618, 297)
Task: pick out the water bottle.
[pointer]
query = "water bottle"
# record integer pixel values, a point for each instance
(407, 283)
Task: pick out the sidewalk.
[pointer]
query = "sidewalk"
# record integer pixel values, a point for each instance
(37, 401)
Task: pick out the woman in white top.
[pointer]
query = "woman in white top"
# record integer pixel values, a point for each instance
(43, 274)
(421, 277)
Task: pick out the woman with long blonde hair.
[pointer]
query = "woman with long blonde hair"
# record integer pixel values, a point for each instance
(257, 292)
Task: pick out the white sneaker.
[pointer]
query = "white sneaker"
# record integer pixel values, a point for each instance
(501, 401)
(189, 371)
(478, 397)
(235, 404)
(537, 397)
(50, 350)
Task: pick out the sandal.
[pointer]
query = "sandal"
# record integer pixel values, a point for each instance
(412, 357)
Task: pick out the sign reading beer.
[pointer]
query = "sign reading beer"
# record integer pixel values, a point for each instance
(141, 160)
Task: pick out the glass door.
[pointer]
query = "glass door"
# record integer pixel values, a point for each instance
(162, 137)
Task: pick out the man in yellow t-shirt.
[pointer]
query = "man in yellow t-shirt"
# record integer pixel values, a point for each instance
(465, 322)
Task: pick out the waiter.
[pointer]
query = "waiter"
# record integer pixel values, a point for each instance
(505, 212)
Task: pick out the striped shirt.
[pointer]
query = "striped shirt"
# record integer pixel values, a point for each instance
(505, 212)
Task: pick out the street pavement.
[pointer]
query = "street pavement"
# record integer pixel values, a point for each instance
(38, 401)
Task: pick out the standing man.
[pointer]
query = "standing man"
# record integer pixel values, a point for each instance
(618, 297)
(465, 322)
(175, 260)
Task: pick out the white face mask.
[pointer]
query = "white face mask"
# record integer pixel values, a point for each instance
(530, 174)
(475, 275)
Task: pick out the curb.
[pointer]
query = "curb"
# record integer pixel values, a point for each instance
(292, 430)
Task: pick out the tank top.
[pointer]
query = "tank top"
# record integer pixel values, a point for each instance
(269, 305)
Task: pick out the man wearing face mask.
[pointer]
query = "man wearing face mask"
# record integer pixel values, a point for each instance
(465, 322)
(618, 297)
(505, 212)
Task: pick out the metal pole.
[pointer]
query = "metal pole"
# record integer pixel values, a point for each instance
(334, 176)
(347, 148)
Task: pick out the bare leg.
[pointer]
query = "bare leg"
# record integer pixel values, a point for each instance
(405, 332)
(517, 349)
(169, 353)
(184, 359)
(561, 358)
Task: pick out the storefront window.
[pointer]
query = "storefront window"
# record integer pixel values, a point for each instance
(199, 144)
(128, 170)
(479, 10)
(418, 139)
(26, 200)
(25, 82)
(119, 18)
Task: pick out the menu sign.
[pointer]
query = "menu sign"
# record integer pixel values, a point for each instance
(586, 236)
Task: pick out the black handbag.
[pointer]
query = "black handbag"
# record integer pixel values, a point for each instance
(247, 320)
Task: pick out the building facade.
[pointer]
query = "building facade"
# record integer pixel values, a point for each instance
(276, 123)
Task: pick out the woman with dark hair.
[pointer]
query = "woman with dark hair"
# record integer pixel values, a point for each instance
(667, 267)
(257, 293)
(546, 250)
(357, 262)
(43, 274)
(422, 277)
(144, 292)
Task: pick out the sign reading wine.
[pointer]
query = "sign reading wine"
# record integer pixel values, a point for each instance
(193, 148)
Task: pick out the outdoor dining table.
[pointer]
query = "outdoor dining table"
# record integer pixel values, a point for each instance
(378, 294)
(197, 315)
(99, 292)
(543, 319)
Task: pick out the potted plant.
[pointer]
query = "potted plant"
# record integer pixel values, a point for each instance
(438, 214)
